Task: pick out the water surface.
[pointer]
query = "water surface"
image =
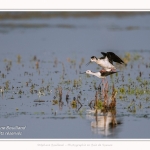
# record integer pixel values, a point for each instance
(48, 51)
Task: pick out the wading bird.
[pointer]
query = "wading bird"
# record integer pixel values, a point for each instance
(99, 74)
(106, 62)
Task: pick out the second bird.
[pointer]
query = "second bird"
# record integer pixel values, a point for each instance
(99, 74)
(106, 62)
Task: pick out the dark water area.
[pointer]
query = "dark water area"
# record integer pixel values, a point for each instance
(43, 53)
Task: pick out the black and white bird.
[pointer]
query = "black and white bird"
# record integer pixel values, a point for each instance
(100, 74)
(106, 62)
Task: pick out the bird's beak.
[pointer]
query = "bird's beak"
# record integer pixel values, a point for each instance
(88, 63)
(82, 72)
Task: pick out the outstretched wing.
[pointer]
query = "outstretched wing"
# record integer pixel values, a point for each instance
(107, 73)
(114, 57)
(104, 54)
(108, 56)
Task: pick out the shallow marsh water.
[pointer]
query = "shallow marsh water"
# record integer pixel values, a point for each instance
(45, 53)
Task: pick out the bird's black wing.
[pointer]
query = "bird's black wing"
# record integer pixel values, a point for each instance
(108, 56)
(104, 54)
(114, 57)
(107, 73)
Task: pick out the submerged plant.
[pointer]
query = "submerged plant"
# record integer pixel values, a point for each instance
(55, 102)
(74, 103)
(18, 59)
(100, 104)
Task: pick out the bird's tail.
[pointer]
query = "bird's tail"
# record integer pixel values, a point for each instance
(125, 64)
(107, 73)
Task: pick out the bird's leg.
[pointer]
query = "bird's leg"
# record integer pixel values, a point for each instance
(99, 87)
(101, 71)
(106, 84)
(105, 92)
(103, 89)
(113, 69)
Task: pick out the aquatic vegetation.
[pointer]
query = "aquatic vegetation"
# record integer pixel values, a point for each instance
(136, 56)
(74, 103)
(99, 105)
(132, 107)
(131, 57)
(132, 91)
(122, 90)
(127, 57)
(77, 83)
(41, 92)
(2, 91)
(37, 64)
(104, 103)
(72, 62)
(39, 113)
(18, 59)
(81, 63)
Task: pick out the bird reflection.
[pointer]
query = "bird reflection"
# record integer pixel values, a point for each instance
(103, 122)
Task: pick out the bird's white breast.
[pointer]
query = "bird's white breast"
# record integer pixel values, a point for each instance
(98, 74)
(105, 64)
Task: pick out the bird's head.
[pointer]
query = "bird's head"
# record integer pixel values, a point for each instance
(93, 59)
(88, 72)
